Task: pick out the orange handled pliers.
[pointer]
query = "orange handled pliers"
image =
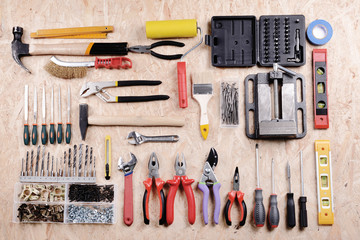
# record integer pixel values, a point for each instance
(159, 183)
(180, 168)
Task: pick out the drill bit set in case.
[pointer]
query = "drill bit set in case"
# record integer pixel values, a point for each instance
(242, 41)
(64, 203)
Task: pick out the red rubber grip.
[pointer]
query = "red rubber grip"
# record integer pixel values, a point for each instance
(128, 200)
(109, 63)
(186, 183)
(182, 86)
(240, 198)
(231, 197)
(159, 183)
(174, 185)
(148, 184)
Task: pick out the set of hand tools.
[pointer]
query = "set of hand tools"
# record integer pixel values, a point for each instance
(53, 135)
(69, 168)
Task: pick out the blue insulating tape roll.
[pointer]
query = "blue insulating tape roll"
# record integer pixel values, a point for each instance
(325, 26)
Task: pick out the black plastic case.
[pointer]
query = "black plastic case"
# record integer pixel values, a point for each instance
(242, 41)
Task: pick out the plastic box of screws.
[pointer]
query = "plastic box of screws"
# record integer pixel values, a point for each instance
(64, 203)
(229, 103)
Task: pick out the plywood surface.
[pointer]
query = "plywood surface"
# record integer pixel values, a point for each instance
(234, 148)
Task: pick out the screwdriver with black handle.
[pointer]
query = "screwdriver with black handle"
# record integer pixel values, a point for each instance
(290, 205)
(43, 127)
(68, 123)
(259, 210)
(273, 214)
(52, 124)
(302, 199)
(34, 134)
(26, 113)
(59, 130)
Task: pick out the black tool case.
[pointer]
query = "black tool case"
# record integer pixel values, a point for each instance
(242, 41)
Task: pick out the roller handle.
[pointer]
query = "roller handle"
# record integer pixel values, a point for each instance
(110, 63)
(186, 183)
(182, 85)
(26, 134)
(52, 133)
(34, 135)
(128, 200)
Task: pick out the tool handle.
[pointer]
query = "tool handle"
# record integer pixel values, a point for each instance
(205, 190)
(52, 133)
(79, 49)
(136, 121)
(68, 133)
(26, 134)
(128, 200)
(303, 212)
(129, 83)
(166, 138)
(43, 134)
(107, 171)
(216, 192)
(159, 188)
(166, 43)
(244, 214)
(147, 183)
(174, 185)
(259, 210)
(227, 210)
(273, 214)
(186, 183)
(122, 99)
(110, 63)
(182, 85)
(290, 206)
(34, 135)
(59, 133)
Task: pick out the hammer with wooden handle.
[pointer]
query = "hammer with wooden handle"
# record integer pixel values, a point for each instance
(149, 121)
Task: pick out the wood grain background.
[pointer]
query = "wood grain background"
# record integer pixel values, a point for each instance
(234, 148)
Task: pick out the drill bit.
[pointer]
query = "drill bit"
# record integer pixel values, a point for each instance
(60, 173)
(74, 161)
(56, 170)
(26, 164)
(37, 161)
(94, 173)
(69, 163)
(47, 165)
(52, 166)
(64, 167)
(22, 167)
(42, 161)
(86, 159)
(31, 162)
(80, 160)
(90, 163)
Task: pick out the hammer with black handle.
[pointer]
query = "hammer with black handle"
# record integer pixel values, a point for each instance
(149, 121)
(20, 49)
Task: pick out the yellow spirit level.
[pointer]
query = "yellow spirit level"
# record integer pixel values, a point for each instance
(324, 182)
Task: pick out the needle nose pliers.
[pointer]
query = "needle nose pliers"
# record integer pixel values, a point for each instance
(180, 168)
(147, 49)
(235, 193)
(207, 180)
(159, 183)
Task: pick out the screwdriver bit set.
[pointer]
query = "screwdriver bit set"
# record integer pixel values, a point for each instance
(69, 168)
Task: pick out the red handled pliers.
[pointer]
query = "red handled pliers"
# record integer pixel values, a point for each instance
(159, 183)
(236, 193)
(180, 168)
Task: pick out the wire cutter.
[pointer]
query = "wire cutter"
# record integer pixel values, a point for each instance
(97, 88)
(147, 49)
(159, 183)
(235, 193)
(180, 168)
(207, 180)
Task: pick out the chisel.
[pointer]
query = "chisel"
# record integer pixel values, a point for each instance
(26, 112)
(52, 125)
(43, 128)
(34, 130)
(68, 124)
(59, 130)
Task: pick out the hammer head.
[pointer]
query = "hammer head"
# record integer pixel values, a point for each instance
(83, 119)
(18, 48)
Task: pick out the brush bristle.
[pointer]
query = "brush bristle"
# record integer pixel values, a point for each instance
(202, 88)
(65, 72)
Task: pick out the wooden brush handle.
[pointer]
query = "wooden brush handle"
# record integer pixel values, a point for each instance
(136, 121)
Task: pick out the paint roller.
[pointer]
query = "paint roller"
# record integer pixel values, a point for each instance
(176, 29)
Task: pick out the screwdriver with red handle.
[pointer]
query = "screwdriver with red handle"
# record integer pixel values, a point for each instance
(273, 214)
(259, 210)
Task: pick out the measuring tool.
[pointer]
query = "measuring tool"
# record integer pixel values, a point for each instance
(79, 32)
(107, 157)
(324, 182)
(321, 115)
